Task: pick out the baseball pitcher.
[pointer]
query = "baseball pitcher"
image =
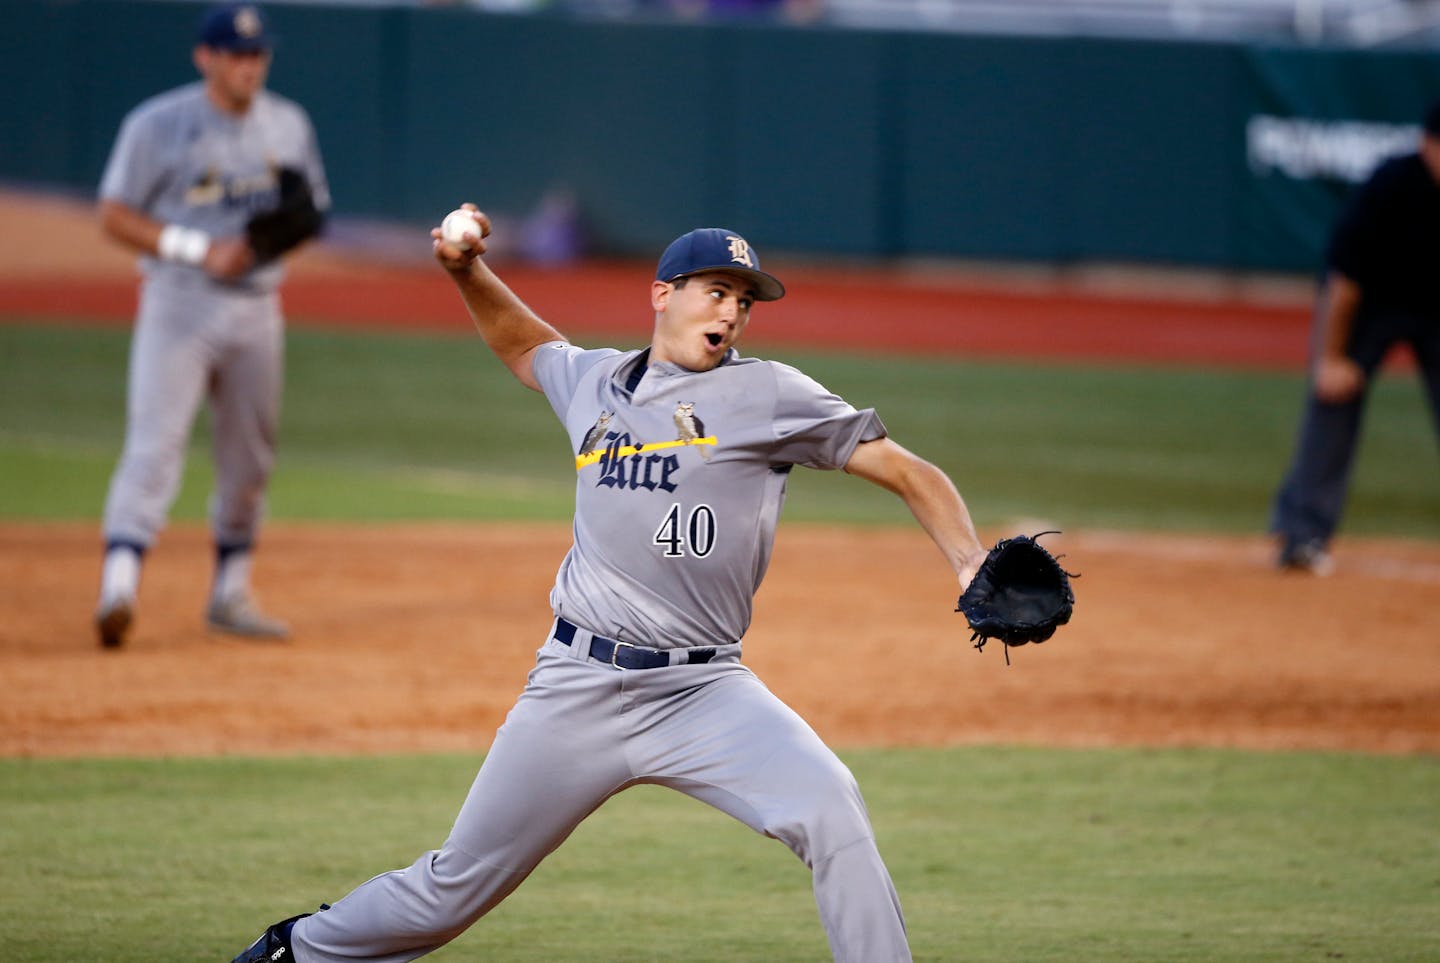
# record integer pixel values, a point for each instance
(681, 453)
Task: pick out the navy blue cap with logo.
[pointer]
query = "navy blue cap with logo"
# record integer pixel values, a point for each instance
(236, 27)
(716, 249)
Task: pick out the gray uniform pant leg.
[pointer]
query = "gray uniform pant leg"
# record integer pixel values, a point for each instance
(579, 734)
(168, 370)
(190, 342)
(749, 755)
(557, 757)
(245, 393)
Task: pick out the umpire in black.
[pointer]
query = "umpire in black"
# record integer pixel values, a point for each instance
(1381, 288)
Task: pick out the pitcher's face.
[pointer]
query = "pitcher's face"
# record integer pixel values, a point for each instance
(698, 320)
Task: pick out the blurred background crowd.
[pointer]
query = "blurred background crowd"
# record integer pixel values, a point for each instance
(1358, 22)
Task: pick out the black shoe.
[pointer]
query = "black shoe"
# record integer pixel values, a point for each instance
(273, 946)
(1310, 557)
(113, 621)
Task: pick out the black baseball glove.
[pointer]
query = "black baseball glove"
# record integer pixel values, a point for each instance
(296, 219)
(1020, 595)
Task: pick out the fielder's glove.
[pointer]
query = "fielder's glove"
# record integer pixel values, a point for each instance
(1020, 595)
(296, 219)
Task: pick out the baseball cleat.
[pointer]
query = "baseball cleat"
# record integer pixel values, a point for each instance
(239, 616)
(273, 946)
(270, 946)
(113, 621)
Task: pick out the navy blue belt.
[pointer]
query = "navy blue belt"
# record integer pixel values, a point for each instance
(624, 655)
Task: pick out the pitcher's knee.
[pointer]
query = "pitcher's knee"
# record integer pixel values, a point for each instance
(826, 818)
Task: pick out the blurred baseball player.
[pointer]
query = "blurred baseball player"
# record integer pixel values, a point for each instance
(638, 678)
(188, 170)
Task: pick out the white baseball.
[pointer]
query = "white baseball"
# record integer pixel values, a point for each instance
(456, 225)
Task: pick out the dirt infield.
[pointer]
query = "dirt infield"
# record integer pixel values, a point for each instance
(413, 637)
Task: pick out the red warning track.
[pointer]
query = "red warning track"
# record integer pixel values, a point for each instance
(870, 309)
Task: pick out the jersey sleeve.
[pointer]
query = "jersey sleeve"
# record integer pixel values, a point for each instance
(136, 163)
(815, 427)
(314, 167)
(559, 366)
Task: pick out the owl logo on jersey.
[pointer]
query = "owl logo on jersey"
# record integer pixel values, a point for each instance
(255, 192)
(630, 464)
(209, 188)
(691, 427)
(596, 433)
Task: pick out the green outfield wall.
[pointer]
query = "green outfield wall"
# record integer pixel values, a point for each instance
(813, 140)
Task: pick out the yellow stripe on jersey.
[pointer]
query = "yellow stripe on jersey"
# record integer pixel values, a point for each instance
(582, 460)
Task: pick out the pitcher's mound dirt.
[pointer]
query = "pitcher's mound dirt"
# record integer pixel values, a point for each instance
(419, 637)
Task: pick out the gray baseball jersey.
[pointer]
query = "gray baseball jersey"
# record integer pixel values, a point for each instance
(681, 476)
(181, 161)
(680, 481)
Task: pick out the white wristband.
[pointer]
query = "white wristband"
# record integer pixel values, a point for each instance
(186, 245)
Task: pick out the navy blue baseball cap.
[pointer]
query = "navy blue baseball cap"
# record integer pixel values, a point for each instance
(716, 249)
(236, 27)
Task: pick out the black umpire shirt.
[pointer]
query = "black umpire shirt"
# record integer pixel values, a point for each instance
(1388, 238)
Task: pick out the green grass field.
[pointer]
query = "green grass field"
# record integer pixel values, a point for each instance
(1000, 854)
(387, 426)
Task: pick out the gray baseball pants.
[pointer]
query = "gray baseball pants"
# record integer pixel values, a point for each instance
(193, 342)
(582, 732)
